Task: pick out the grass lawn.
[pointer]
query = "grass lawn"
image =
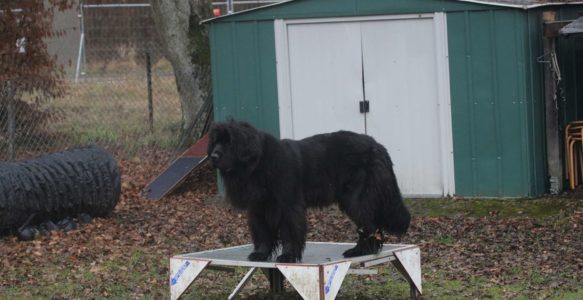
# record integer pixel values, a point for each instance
(109, 111)
(115, 113)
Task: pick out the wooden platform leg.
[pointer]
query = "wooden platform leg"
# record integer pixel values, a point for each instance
(242, 283)
(275, 280)
(414, 292)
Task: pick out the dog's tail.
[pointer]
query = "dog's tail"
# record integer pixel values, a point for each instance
(394, 216)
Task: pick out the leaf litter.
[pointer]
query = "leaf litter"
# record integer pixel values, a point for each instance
(126, 255)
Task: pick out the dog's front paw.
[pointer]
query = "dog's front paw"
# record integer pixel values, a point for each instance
(258, 256)
(352, 252)
(367, 247)
(287, 258)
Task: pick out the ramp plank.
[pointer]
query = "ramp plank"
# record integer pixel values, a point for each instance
(177, 171)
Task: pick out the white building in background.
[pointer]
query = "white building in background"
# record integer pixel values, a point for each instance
(66, 46)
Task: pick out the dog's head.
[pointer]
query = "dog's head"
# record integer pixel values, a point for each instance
(235, 147)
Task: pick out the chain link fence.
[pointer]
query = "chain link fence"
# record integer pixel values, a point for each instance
(121, 93)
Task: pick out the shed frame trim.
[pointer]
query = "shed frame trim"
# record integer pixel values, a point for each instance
(356, 19)
(442, 59)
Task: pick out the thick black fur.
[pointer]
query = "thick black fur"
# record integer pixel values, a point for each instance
(275, 181)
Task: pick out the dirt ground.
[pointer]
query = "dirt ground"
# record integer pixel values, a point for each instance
(471, 249)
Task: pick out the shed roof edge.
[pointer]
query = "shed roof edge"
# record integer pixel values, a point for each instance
(483, 2)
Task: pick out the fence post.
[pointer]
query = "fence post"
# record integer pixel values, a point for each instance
(150, 100)
(230, 7)
(9, 94)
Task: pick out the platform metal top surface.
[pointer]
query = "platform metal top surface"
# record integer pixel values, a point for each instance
(316, 253)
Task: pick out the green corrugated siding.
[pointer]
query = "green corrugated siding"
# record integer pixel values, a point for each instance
(535, 91)
(497, 109)
(496, 105)
(244, 74)
(536, 109)
(537, 79)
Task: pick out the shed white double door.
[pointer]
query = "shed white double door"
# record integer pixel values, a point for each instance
(327, 67)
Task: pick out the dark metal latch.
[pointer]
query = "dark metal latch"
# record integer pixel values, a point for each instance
(364, 106)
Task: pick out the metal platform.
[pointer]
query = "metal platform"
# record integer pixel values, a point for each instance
(318, 276)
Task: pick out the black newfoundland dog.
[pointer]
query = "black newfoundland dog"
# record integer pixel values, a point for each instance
(275, 181)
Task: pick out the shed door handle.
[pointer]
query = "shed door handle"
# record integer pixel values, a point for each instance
(364, 106)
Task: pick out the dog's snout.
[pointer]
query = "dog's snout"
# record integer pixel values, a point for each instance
(216, 154)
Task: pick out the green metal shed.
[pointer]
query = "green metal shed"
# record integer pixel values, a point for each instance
(455, 88)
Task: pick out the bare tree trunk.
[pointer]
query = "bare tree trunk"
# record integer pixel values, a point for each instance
(183, 37)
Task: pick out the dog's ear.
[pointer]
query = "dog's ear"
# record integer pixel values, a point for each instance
(217, 131)
(247, 140)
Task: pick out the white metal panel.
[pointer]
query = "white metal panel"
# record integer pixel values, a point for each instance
(304, 278)
(325, 79)
(182, 273)
(333, 277)
(314, 281)
(410, 259)
(400, 75)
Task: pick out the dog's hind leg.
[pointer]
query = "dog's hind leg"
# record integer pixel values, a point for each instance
(368, 243)
(357, 201)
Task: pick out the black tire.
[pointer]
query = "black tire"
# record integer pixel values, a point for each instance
(63, 184)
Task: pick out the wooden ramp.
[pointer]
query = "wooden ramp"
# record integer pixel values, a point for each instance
(177, 171)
